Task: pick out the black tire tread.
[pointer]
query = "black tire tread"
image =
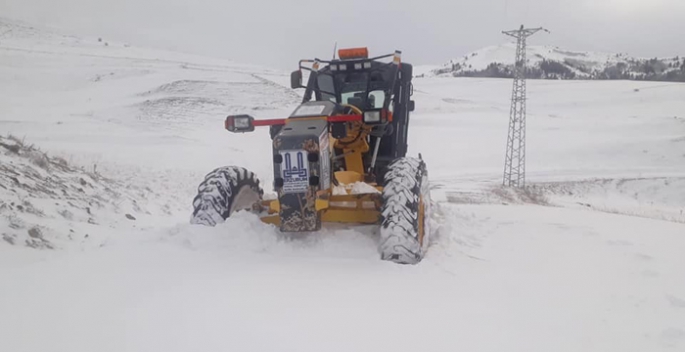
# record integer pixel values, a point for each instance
(214, 198)
(405, 183)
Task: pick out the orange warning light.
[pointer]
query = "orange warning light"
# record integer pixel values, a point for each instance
(353, 53)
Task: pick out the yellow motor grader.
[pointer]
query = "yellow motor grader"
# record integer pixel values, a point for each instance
(339, 157)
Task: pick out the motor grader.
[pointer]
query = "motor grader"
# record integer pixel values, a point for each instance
(340, 157)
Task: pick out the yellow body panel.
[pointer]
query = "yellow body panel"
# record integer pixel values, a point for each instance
(322, 204)
(351, 216)
(348, 177)
(350, 208)
(354, 145)
(338, 215)
(353, 159)
(422, 215)
(272, 219)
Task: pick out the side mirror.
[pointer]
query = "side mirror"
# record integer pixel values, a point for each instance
(411, 105)
(296, 79)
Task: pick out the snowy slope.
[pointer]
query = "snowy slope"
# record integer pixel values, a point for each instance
(505, 54)
(47, 203)
(20, 36)
(554, 62)
(507, 271)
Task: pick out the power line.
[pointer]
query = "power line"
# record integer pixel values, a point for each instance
(515, 159)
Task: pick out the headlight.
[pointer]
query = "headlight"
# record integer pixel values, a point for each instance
(241, 123)
(372, 116)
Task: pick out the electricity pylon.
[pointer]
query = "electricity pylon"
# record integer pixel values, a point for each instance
(515, 160)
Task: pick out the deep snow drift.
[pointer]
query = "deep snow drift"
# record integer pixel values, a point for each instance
(590, 258)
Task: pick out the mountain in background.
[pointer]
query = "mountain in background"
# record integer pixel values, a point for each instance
(548, 62)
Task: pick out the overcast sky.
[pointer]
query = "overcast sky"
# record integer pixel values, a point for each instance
(279, 32)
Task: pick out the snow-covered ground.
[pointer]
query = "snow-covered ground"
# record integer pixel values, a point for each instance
(589, 259)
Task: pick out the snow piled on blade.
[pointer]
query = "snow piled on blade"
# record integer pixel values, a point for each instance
(363, 188)
(354, 188)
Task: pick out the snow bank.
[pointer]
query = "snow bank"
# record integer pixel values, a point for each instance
(46, 203)
(658, 198)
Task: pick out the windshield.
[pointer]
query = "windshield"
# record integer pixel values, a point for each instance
(326, 86)
(374, 100)
(366, 90)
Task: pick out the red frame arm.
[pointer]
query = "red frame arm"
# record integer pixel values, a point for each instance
(337, 118)
(268, 122)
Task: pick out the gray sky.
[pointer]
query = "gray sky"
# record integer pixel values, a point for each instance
(279, 32)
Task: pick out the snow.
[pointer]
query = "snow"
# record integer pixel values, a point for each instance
(339, 190)
(590, 259)
(363, 188)
(354, 188)
(506, 53)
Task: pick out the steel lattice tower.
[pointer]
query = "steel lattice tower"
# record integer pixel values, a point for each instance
(515, 160)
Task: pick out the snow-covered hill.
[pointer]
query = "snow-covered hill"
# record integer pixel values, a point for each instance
(590, 258)
(46, 203)
(550, 62)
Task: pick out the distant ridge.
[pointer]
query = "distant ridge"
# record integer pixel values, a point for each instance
(548, 62)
